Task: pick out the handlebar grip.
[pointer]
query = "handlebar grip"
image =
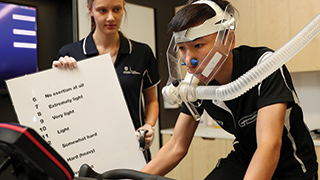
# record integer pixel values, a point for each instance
(142, 142)
(87, 171)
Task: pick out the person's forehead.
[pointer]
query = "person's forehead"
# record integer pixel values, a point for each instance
(207, 37)
(102, 3)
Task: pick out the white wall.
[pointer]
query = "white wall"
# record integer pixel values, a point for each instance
(84, 19)
(307, 85)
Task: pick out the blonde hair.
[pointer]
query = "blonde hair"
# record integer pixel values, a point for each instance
(93, 23)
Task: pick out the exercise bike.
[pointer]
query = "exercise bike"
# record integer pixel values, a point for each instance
(33, 159)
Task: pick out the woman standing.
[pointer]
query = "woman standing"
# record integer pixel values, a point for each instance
(134, 62)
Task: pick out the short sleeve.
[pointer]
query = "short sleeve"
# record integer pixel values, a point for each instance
(151, 78)
(184, 109)
(276, 88)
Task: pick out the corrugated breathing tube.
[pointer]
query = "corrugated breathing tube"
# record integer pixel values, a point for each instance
(262, 70)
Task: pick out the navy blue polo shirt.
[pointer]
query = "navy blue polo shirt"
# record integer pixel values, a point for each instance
(135, 65)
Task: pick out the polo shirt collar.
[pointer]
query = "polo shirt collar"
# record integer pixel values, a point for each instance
(237, 69)
(88, 46)
(125, 45)
(90, 49)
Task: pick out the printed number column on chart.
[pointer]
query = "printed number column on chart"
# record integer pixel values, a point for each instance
(42, 127)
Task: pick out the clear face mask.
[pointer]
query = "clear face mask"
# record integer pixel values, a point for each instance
(223, 24)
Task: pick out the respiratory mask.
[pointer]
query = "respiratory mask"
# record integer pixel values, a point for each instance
(223, 23)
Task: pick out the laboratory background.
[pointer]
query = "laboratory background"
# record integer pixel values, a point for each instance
(262, 23)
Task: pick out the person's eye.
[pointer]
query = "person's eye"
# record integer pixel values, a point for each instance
(181, 48)
(198, 45)
(117, 9)
(102, 10)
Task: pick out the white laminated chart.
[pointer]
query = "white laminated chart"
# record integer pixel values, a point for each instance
(81, 113)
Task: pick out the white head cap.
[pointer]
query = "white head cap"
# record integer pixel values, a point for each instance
(210, 26)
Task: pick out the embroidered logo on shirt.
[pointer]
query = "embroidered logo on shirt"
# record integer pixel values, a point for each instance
(247, 120)
(128, 70)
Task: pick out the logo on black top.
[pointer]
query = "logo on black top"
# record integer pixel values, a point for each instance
(248, 119)
(128, 70)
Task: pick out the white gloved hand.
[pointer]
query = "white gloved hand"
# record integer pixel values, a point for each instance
(149, 136)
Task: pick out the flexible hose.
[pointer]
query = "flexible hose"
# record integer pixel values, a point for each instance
(268, 65)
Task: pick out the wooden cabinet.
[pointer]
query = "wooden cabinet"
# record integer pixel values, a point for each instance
(202, 157)
(272, 23)
(318, 156)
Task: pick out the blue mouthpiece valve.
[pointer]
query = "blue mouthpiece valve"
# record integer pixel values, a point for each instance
(194, 62)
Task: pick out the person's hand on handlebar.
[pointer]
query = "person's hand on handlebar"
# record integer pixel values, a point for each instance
(65, 62)
(149, 136)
